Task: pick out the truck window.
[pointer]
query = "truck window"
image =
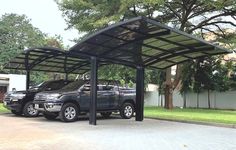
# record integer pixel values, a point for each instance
(73, 85)
(108, 87)
(54, 85)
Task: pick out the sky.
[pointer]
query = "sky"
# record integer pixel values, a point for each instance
(44, 14)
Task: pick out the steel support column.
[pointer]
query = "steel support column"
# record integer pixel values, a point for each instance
(139, 93)
(27, 79)
(93, 92)
(27, 66)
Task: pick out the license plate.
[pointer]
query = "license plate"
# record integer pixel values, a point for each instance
(36, 106)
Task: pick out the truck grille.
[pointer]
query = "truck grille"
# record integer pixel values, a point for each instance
(7, 99)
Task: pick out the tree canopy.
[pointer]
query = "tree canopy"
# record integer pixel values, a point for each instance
(17, 34)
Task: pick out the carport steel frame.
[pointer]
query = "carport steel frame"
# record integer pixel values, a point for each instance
(95, 59)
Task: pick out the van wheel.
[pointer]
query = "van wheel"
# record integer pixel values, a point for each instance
(50, 116)
(29, 110)
(69, 112)
(106, 114)
(127, 111)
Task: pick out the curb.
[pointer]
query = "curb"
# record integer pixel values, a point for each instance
(197, 122)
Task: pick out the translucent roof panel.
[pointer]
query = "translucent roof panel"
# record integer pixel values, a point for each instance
(49, 60)
(144, 42)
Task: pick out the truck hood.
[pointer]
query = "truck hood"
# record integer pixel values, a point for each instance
(21, 92)
(62, 92)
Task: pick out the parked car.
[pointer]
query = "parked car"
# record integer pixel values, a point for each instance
(21, 102)
(74, 99)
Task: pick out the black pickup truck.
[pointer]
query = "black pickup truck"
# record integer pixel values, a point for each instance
(74, 99)
(20, 102)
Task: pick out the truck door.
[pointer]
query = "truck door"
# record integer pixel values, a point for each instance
(109, 97)
(84, 97)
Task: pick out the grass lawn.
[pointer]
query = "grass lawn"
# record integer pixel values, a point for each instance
(2, 109)
(199, 115)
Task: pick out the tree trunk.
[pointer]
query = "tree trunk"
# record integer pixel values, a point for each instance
(168, 90)
(184, 105)
(197, 99)
(170, 86)
(168, 97)
(209, 101)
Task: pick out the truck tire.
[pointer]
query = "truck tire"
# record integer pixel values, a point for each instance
(17, 113)
(50, 116)
(29, 111)
(106, 114)
(127, 111)
(69, 112)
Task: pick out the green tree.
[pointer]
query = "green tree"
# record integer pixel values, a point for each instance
(124, 74)
(187, 15)
(187, 80)
(17, 34)
(197, 86)
(210, 74)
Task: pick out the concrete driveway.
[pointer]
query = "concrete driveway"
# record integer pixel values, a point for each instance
(18, 133)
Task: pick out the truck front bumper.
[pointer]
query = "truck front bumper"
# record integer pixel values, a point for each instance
(48, 107)
(12, 106)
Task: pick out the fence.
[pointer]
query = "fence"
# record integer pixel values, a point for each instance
(219, 100)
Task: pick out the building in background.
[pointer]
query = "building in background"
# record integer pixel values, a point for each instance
(10, 82)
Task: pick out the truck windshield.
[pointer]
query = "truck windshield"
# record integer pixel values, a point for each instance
(38, 86)
(74, 85)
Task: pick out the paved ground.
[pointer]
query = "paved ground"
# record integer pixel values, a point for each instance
(17, 133)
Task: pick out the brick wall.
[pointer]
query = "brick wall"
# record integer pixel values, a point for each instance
(3, 90)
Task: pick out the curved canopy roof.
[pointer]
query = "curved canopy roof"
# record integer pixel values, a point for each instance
(144, 42)
(49, 59)
(136, 42)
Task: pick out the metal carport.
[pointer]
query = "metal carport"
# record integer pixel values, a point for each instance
(139, 43)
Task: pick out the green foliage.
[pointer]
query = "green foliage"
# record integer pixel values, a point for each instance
(152, 76)
(187, 77)
(3, 109)
(213, 74)
(192, 15)
(208, 73)
(17, 34)
(125, 75)
(54, 41)
(161, 74)
(90, 15)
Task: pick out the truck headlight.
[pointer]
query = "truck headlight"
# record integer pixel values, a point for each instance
(17, 96)
(53, 96)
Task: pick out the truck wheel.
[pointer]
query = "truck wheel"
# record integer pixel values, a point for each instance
(29, 110)
(106, 114)
(50, 116)
(69, 112)
(127, 111)
(17, 113)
